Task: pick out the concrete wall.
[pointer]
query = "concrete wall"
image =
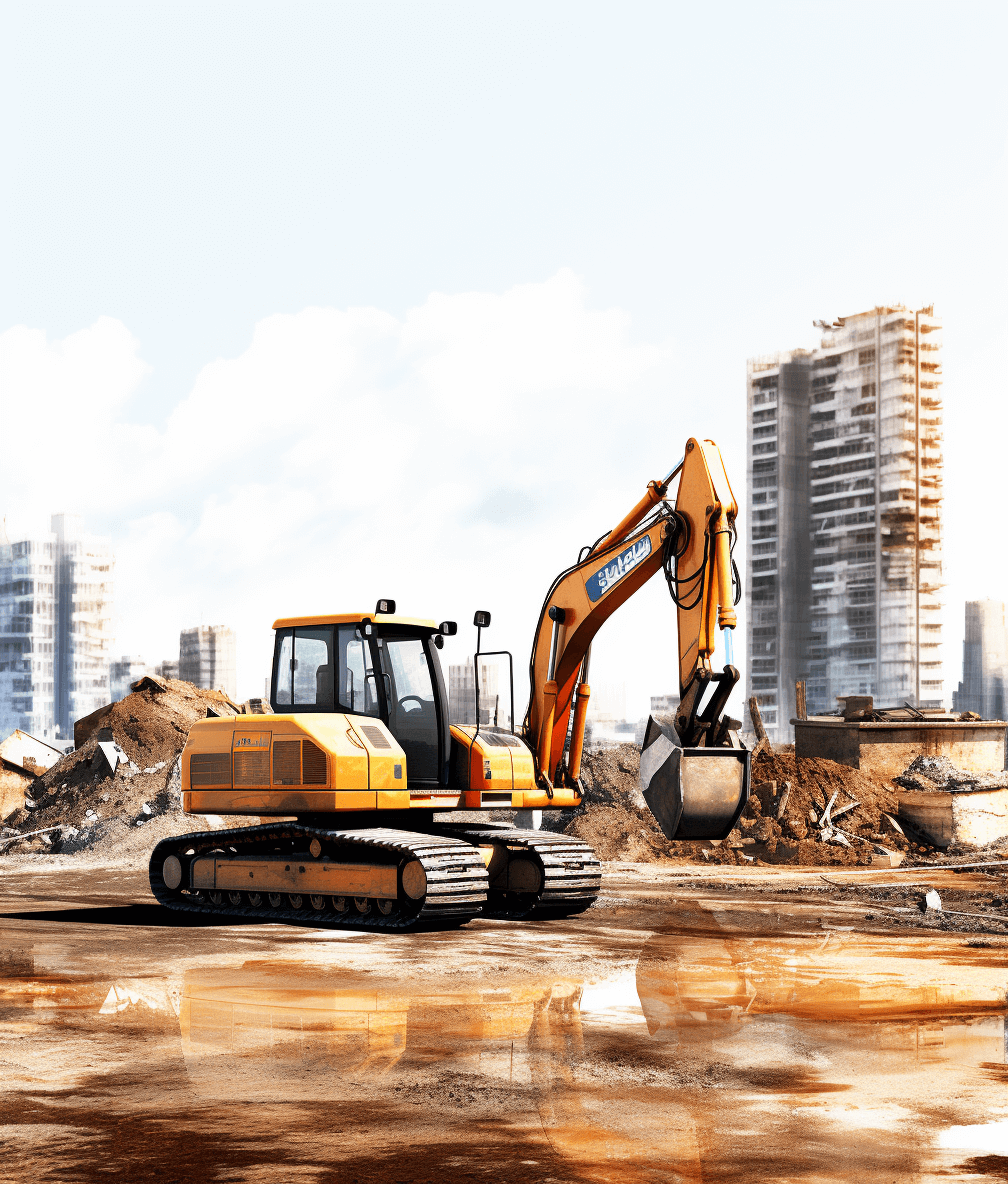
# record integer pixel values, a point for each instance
(886, 749)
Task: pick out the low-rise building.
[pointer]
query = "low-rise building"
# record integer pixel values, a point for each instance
(208, 658)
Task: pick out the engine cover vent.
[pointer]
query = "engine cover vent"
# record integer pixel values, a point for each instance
(313, 760)
(210, 769)
(286, 762)
(375, 735)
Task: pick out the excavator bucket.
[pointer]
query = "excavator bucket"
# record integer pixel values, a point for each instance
(693, 793)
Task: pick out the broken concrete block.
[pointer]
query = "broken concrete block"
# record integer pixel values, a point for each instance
(112, 754)
(932, 901)
(883, 857)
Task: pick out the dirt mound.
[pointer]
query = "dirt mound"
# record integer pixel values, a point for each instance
(99, 809)
(614, 819)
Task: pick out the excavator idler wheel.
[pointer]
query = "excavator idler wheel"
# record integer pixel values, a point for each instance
(216, 897)
(295, 900)
(317, 903)
(275, 900)
(234, 897)
(385, 907)
(255, 900)
(363, 905)
(339, 904)
(171, 872)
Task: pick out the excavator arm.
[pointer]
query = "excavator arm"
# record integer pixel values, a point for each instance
(691, 543)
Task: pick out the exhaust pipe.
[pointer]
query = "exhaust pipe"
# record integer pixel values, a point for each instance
(693, 793)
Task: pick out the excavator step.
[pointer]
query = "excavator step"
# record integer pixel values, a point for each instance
(375, 878)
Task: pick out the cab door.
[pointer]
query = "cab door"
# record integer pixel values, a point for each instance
(414, 712)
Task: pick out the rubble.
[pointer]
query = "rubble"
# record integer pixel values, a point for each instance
(934, 773)
(808, 811)
(119, 792)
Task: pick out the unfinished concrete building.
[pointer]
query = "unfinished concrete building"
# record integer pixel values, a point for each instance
(985, 661)
(55, 628)
(83, 569)
(778, 559)
(208, 658)
(123, 672)
(843, 588)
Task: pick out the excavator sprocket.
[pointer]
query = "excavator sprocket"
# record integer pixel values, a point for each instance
(454, 876)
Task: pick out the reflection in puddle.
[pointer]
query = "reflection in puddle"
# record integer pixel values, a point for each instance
(717, 1054)
(291, 1011)
(688, 980)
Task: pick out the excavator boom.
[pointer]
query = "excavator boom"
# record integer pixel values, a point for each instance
(692, 545)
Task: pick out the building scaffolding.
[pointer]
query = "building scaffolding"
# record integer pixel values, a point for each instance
(845, 492)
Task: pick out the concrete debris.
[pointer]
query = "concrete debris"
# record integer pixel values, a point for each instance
(930, 773)
(112, 753)
(150, 682)
(932, 901)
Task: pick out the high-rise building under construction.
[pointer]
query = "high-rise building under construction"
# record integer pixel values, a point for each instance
(843, 585)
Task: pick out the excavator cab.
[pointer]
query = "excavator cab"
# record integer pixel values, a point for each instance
(358, 665)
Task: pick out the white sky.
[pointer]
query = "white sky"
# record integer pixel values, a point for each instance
(309, 304)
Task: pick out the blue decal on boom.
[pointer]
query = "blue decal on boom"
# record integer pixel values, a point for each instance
(614, 571)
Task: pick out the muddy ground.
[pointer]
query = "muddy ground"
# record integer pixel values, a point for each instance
(696, 1024)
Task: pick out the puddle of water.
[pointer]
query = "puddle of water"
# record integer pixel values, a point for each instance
(719, 1054)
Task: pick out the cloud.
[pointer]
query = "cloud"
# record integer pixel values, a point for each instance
(454, 458)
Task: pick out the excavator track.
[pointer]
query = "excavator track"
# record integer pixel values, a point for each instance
(571, 874)
(456, 877)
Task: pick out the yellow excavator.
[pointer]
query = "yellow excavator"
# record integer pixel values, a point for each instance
(374, 794)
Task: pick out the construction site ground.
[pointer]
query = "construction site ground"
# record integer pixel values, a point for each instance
(790, 1003)
(698, 1023)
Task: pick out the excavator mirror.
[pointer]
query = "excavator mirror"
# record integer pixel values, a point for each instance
(448, 628)
(481, 619)
(387, 607)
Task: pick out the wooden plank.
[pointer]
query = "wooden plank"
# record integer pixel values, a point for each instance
(762, 742)
(800, 709)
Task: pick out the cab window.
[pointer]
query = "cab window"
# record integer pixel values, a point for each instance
(284, 664)
(313, 668)
(356, 689)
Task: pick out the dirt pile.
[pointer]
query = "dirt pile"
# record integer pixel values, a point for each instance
(615, 820)
(613, 817)
(82, 803)
(797, 836)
